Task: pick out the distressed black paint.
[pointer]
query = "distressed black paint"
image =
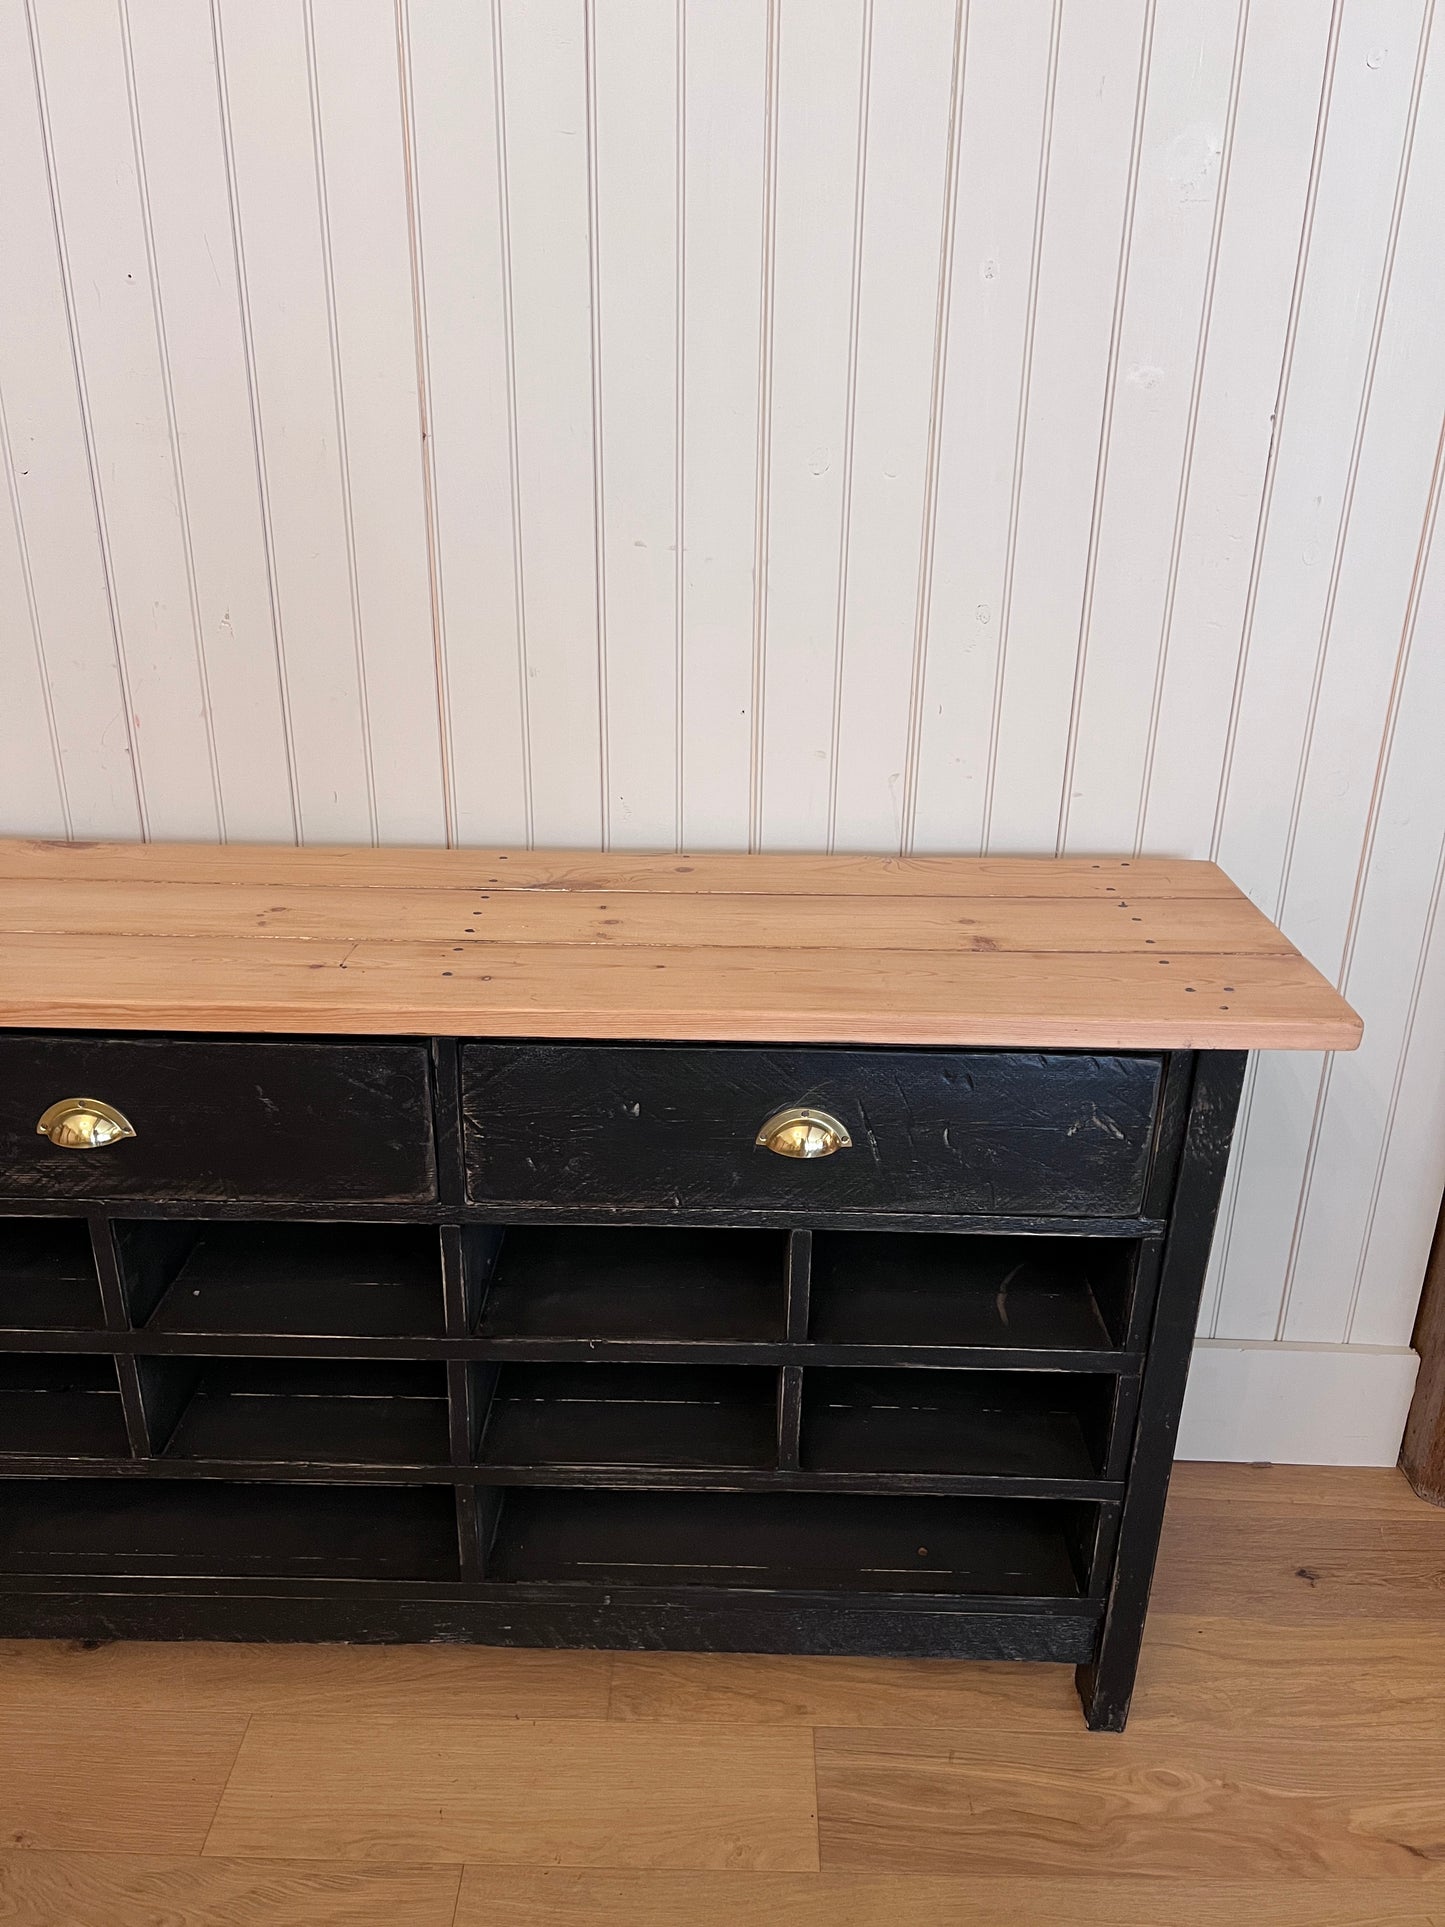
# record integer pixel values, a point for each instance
(643, 1385)
(630, 1125)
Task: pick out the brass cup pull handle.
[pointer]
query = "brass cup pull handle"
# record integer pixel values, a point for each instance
(84, 1124)
(803, 1133)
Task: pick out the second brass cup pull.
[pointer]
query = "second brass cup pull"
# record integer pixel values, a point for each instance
(803, 1133)
(84, 1124)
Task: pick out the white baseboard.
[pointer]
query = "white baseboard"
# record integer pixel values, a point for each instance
(1297, 1404)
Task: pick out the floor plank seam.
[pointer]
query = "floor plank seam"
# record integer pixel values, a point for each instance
(225, 1786)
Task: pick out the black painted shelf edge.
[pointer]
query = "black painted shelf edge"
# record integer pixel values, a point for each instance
(522, 1214)
(145, 1344)
(619, 1478)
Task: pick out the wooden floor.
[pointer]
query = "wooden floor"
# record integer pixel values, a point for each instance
(1285, 1764)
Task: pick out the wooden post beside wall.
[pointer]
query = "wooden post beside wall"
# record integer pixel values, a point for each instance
(1422, 1454)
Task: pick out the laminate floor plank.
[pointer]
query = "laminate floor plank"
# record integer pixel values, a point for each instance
(128, 1890)
(561, 1792)
(557, 1897)
(967, 1801)
(1210, 1676)
(755, 1689)
(1303, 1568)
(1377, 1493)
(111, 1781)
(377, 1682)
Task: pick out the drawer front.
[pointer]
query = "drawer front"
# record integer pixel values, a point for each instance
(649, 1126)
(247, 1120)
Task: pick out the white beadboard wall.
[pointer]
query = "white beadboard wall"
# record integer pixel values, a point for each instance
(967, 425)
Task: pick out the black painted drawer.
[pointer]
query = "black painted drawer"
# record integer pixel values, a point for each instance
(647, 1126)
(250, 1119)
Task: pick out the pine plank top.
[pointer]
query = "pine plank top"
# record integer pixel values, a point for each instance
(1037, 952)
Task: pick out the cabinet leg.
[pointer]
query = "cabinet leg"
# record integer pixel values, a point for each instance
(1106, 1684)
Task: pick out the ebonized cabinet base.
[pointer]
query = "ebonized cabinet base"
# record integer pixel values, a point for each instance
(714, 1417)
(490, 1617)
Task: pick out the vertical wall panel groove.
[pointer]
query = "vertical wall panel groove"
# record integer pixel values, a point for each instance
(407, 103)
(339, 402)
(509, 330)
(763, 486)
(1196, 390)
(86, 426)
(1106, 426)
(1021, 433)
(172, 432)
(22, 771)
(918, 668)
(248, 357)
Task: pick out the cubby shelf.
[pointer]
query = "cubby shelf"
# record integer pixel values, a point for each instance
(48, 1279)
(331, 1413)
(823, 1542)
(600, 1416)
(587, 1284)
(175, 1529)
(285, 1280)
(919, 1414)
(58, 1406)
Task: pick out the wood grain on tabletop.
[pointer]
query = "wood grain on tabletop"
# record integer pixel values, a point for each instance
(1035, 953)
(686, 874)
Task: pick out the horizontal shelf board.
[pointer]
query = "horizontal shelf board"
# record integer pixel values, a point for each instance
(265, 1470)
(180, 1529)
(147, 1344)
(543, 1211)
(806, 1352)
(932, 1422)
(304, 1280)
(318, 1412)
(582, 1283)
(664, 1479)
(600, 1415)
(60, 1407)
(617, 1478)
(47, 1275)
(931, 1289)
(828, 1541)
(682, 1605)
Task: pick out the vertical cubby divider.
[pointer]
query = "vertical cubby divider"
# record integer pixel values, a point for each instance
(116, 1306)
(798, 1285)
(469, 1397)
(479, 1507)
(165, 1387)
(469, 1257)
(110, 1271)
(790, 1416)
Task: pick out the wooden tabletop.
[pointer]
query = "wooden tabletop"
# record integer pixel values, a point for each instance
(1041, 952)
